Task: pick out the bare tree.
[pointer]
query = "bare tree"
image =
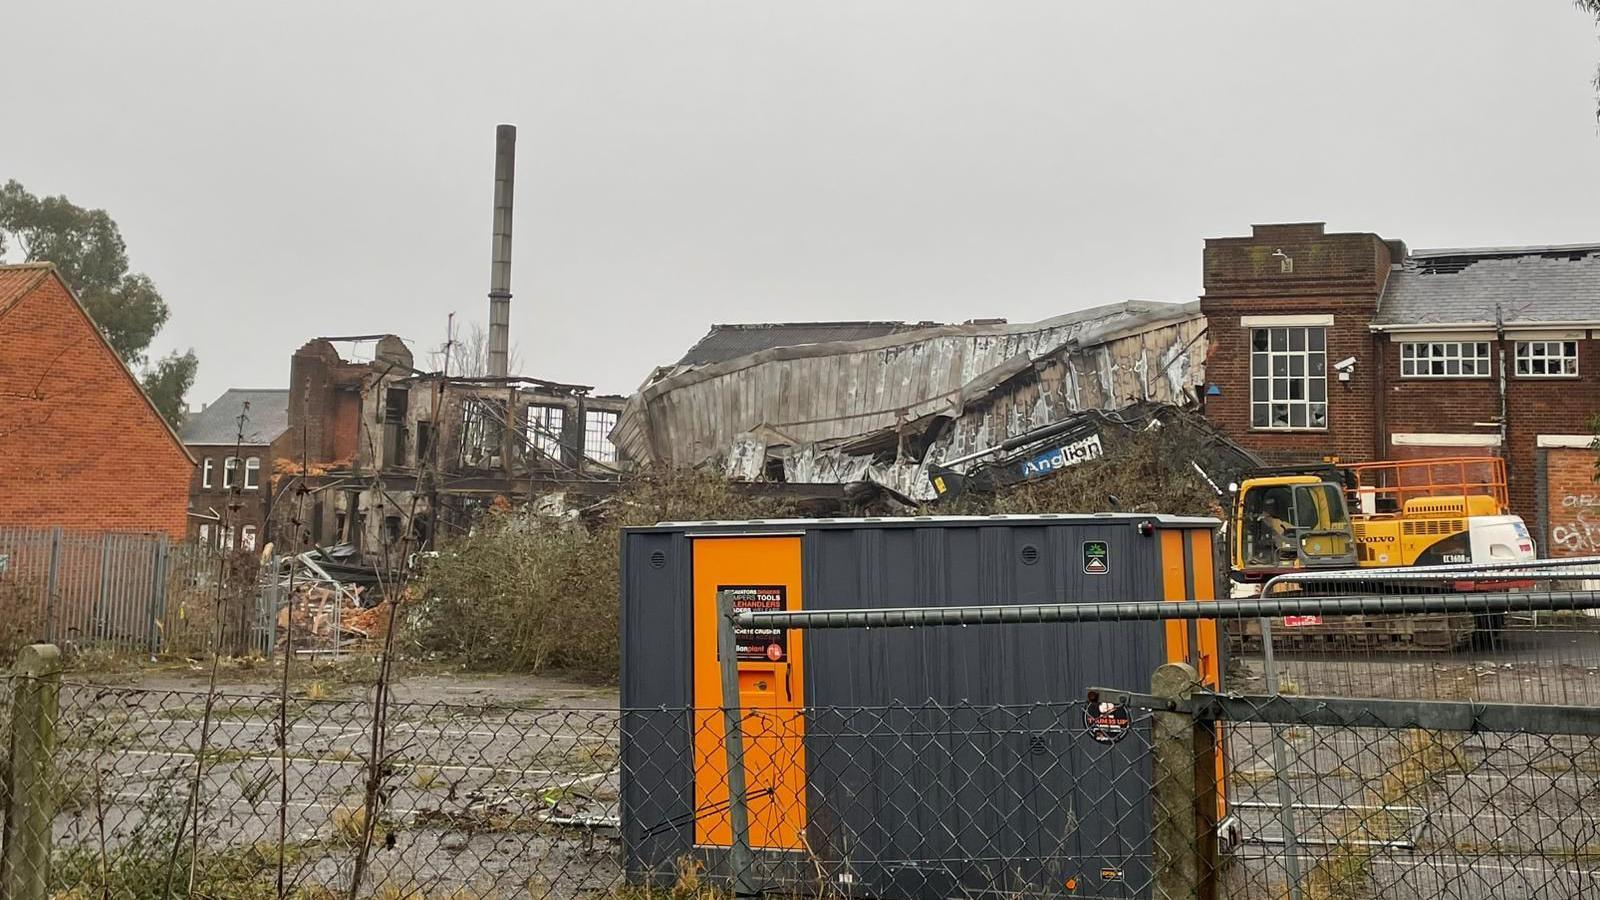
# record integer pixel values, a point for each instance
(469, 353)
(1592, 7)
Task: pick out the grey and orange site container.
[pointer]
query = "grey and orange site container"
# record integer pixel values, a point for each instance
(903, 762)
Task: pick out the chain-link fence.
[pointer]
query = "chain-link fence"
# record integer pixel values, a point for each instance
(178, 793)
(904, 801)
(1303, 775)
(1402, 810)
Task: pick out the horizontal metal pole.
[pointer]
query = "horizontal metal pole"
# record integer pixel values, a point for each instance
(1158, 610)
(1346, 712)
(1574, 566)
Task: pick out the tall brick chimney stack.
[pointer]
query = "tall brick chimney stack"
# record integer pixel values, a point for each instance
(505, 165)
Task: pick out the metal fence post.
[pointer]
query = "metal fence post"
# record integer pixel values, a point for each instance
(1280, 767)
(158, 593)
(1183, 839)
(102, 606)
(29, 796)
(52, 585)
(739, 855)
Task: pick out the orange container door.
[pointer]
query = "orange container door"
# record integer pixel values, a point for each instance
(1187, 573)
(760, 573)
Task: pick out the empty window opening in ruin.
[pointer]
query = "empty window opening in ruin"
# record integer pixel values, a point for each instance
(544, 429)
(395, 402)
(482, 432)
(424, 441)
(597, 444)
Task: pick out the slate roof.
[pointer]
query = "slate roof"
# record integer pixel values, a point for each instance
(218, 423)
(1530, 285)
(725, 342)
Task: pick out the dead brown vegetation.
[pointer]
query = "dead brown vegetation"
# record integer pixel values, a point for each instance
(528, 594)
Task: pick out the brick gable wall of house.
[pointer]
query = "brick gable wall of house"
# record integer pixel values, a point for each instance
(80, 446)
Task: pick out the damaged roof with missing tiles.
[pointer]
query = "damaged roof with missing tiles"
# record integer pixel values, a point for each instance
(218, 423)
(1528, 285)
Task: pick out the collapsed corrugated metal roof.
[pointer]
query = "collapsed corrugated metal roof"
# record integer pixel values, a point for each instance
(725, 342)
(881, 408)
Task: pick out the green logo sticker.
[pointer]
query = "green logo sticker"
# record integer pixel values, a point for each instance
(1096, 558)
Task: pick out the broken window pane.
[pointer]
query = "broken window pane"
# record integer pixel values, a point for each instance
(1547, 358)
(1297, 363)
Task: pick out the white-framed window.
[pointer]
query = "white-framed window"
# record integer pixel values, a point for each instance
(247, 537)
(1547, 359)
(1444, 359)
(1289, 377)
(206, 468)
(597, 436)
(252, 473)
(205, 532)
(230, 468)
(544, 429)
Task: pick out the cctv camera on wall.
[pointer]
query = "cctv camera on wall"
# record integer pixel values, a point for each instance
(1345, 367)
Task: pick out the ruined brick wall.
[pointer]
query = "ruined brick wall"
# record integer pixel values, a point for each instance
(80, 446)
(1339, 275)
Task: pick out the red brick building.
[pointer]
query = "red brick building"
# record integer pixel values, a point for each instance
(81, 446)
(1350, 345)
(230, 495)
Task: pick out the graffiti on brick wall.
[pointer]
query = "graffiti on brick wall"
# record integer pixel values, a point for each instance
(1578, 528)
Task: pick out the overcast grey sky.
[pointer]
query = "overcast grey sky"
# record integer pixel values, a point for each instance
(284, 170)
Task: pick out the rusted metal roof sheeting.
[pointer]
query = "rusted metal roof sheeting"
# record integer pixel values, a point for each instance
(820, 392)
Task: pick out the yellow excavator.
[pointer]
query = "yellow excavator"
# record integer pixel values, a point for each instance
(1328, 516)
(1382, 514)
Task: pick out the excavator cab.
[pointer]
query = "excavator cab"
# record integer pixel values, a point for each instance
(1287, 522)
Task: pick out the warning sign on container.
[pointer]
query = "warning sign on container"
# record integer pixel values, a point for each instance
(770, 644)
(1096, 558)
(1299, 621)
